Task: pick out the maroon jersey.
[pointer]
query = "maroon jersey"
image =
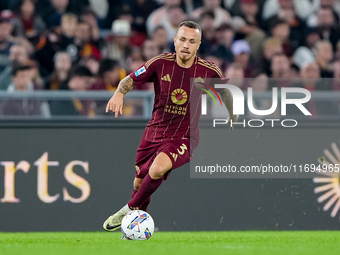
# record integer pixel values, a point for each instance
(176, 95)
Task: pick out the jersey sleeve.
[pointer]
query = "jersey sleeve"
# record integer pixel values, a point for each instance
(145, 73)
(217, 73)
(217, 77)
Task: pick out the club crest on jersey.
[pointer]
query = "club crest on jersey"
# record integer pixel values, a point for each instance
(140, 71)
(137, 169)
(179, 96)
(199, 82)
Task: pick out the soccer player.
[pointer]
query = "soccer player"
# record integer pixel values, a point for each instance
(172, 134)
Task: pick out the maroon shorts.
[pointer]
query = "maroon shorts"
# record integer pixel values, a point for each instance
(179, 151)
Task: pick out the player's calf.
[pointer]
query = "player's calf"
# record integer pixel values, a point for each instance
(137, 182)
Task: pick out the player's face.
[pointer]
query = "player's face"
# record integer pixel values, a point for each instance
(187, 42)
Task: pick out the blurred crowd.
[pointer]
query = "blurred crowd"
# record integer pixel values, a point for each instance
(92, 44)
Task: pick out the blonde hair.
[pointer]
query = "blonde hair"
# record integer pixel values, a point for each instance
(271, 42)
(234, 65)
(69, 17)
(318, 44)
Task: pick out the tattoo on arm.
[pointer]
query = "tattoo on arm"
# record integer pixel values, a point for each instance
(227, 100)
(125, 85)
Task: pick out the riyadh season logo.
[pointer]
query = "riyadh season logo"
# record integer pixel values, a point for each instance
(239, 103)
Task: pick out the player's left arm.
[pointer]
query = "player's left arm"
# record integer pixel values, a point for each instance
(227, 99)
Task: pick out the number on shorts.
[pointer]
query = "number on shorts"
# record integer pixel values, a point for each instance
(183, 148)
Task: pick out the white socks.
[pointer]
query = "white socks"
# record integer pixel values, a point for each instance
(125, 209)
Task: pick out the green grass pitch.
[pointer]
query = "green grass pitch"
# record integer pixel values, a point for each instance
(195, 243)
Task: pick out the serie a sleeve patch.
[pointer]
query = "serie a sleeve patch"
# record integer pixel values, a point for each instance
(140, 71)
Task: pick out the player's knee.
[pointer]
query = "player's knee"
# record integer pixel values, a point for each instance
(157, 172)
(136, 183)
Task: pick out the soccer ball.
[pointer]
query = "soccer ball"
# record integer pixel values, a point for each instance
(137, 225)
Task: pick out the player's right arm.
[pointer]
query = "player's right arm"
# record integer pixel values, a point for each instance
(139, 77)
(115, 104)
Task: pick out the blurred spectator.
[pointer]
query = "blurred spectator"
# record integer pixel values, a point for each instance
(232, 6)
(280, 67)
(26, 24)
(36, 77)
(241, 53)
(313, 21)
(114, 10)
(110, 74)
(175, 17)
(191, 5)
(161, 39)
(208, 30)
(119, 48)
(221, 15)
(22, 81)
(5, 44)
(284, 9)
(160, 15)
(327, 27)
(288, 14)
(137, 38)
(140, 11)
(150, 49)
(281, 72)
(99, 7)
(324, 58)
(260, 84)
(215, 58)
(62, 39)
(90, 17)
(303, 8)
(18, 55)
(62, 66)
(247, 27)
(311, 37)
(136, 63)
(302, 56)
(235, 75)
(310, 74)
(92, 63)
(81, 79)
(271, 47)
(208, 33)
(68, 28)
(280, 29)
(224, 39)
(246, 22)
(53, 13)
(310, 71)
(83, 40)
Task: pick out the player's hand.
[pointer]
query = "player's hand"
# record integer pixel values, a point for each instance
(234, 119)
(115, 104)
